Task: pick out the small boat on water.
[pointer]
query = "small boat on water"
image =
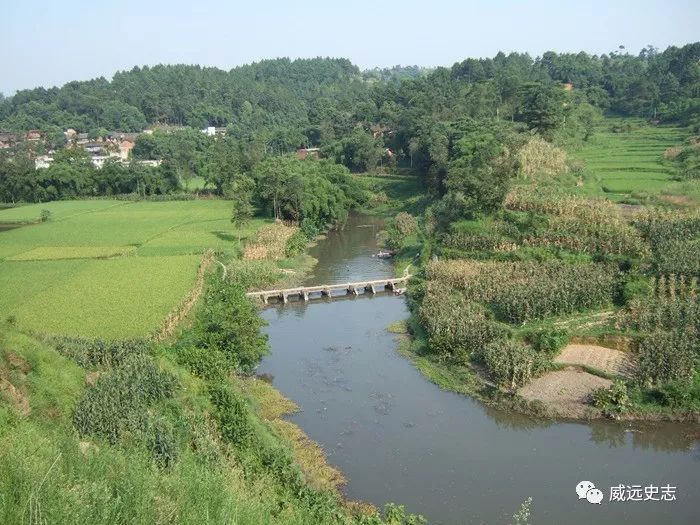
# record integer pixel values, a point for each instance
(385, 255)
(399, 291)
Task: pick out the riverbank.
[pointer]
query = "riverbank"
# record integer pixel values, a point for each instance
(473, 381)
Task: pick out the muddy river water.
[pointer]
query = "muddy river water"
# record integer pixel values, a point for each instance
(398, 437)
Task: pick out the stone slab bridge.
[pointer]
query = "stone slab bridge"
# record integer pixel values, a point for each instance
(305, 293)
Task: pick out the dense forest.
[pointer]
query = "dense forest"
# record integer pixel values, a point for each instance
(436, 122)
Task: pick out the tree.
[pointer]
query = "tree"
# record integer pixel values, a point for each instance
(223, 164)
(240, 193)
(543, 108)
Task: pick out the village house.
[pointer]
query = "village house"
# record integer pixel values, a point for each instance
(7, 139)
(42, 161)
(212, 131)
(34, 135)
(302, 153)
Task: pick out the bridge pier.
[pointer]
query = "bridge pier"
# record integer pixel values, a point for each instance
(352, 290)
(391, 285)
(305, 295)
(284, 297)
(370, 288)
(326, 292)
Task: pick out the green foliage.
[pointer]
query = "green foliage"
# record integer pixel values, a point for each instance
(512, 363)
(162, 443)
(228, 322)
(675, 240)
(543, 107)
(207, 363)
(296, 244)
(671, 305)
(318, 193)
(118, 402)
(524, 291)
(93, 353)
(456, 328)
(679, 394)
(613, 401)
(232, 414)
(399, 228)
(667, 356)
(45, 216)
(548, 340)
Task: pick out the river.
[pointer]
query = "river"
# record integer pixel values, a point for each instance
(398, 437)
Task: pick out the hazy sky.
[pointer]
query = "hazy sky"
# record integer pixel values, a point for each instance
(48, 43)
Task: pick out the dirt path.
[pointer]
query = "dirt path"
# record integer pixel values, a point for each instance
(608, 360)
(565, 391)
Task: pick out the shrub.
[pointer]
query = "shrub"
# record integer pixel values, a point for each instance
(548, 340)
(295, 244)
(405, 223)
(678, 394)
(118, 402)
(90, 353)
(45, 215)
(228, 322)
(207, 363)
(613, 401)
(511, 363)
(666, 356)
(232, 414)
(162, 444)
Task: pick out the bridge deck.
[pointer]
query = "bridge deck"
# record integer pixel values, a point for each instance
(326, 290)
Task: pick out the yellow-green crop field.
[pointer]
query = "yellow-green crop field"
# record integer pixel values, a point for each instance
(107, 268)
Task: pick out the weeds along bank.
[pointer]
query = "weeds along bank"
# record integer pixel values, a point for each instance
(137, 431)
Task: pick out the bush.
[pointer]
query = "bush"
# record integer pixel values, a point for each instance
(162, 444)
(228, 322)
(295, 244)
(90, 353)
(677, 394)
(405, 223)
(118, 402)
(511, 363)
(232, 414)
(613, 401)
(207, 363)
(45, 216)
(548, 340)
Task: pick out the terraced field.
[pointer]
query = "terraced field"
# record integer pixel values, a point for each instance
(107, 268)
(628, 163)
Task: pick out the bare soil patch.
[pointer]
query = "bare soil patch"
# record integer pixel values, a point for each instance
(608, 360)
(566, 392)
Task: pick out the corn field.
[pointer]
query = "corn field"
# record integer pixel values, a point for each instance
(524, 291)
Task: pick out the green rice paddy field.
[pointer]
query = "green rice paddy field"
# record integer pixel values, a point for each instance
(104, 268)
(630, 164)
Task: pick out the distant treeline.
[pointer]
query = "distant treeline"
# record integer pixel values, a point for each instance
(319, 97)
(458, 127)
